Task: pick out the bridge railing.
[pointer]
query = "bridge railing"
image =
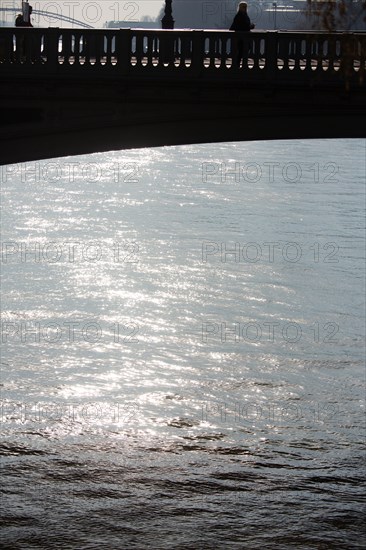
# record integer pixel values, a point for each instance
(267, 55)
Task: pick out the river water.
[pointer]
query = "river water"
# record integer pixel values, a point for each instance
(183, 347)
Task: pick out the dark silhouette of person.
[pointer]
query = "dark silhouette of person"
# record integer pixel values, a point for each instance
(19, 21)
(20, 40)
(242, 23)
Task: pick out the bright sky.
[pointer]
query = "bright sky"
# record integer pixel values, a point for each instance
(93, 12)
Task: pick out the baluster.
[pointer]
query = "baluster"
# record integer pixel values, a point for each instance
(155, 49)
(186, 52)
(31, 47)
(261, 56)
(80, 48)
(218, 53)
(19, 46)
(324, 55)
(290, 55)
(8, 45)
(3, 48)
(114, 50)
(95, 48)
(67, 48)
(7, 48)
(133, 48)
(208, 52)
(361, 58)
(331, 55)
(346, 58)
(177, 51)
(215, 57)
(149, 49)
(139, 48)
(36, 47)
(225, 48)
(271, 54)
(282, 51)
(198, 52)
(254, 52)
(27, 48)
(244, 44)
(74, 47)
(230, 53)
(297, 44)
(205, 46)
(317, 46)
(263, 53)
(50, 51)
(98, 48)
(144, 51)
(123, 51)
(59, 48)
(304, 57)
(166, 56)
(107, 42)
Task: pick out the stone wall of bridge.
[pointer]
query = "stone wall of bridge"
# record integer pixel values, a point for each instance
(66, 92)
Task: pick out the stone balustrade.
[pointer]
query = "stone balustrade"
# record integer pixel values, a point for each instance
(204, 54)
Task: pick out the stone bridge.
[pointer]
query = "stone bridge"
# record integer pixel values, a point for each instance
(75, 91)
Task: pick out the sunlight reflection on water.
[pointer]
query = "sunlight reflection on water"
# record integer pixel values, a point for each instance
(201, 298)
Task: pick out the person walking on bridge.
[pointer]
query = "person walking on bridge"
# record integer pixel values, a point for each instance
(242, 23)
(23, 20)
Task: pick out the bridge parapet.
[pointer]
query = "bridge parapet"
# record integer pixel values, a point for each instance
(298, 57)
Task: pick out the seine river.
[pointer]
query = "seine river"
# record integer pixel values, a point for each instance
(183, 345)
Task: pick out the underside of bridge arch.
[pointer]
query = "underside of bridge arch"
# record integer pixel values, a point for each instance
(63, 117)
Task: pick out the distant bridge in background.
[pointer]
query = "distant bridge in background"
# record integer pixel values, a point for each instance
(73, 91)
(57, 16)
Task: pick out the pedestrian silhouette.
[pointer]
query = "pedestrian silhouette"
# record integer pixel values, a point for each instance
(19, 20)
(242, 23)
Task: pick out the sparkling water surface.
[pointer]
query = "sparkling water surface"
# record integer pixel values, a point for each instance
(183, 347)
